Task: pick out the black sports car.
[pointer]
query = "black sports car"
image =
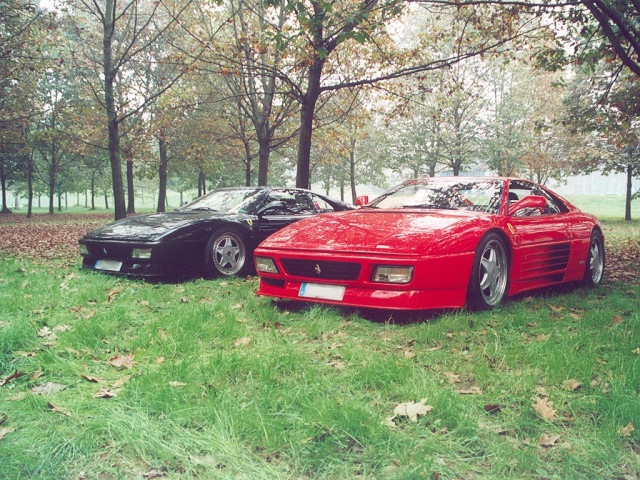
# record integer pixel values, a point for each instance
(213, 236)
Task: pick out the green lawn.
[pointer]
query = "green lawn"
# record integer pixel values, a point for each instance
(107, 378)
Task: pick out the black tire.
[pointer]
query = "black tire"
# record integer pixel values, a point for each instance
(489, 275)
(227, 253)
(594, 267)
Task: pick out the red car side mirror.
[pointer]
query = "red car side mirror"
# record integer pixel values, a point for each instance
(362, 200)
(532, 201)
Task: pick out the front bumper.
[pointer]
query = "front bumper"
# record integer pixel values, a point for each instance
(438, 281)
(114, 258)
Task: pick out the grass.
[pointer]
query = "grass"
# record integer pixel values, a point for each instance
(219, 383)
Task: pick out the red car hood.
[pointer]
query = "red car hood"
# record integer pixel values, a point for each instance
(379, 231)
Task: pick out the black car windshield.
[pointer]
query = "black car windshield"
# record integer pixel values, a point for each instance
(445, 193)
(241, 200)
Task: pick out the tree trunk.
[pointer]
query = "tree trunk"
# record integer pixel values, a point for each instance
(131, 203)
(112, 119)
(30, 185)
(3, 181)
(263, 161)
(307, 113)
(93, 190)
(106, 200)
(352, 174)
(162, 175)
(52, 183)
(629, 196)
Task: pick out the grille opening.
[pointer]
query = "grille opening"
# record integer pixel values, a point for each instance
(322, 269)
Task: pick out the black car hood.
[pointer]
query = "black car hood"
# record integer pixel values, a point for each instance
(150, 227)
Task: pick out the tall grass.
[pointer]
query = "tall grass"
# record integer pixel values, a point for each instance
(225, 384)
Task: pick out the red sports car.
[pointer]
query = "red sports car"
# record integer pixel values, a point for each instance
(435, 243)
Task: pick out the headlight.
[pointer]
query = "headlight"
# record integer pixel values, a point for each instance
(392, 274)
(266, 265)
(83, 249)
(141, 253)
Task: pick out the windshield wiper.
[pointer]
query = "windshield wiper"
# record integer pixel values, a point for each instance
(204, 209)
(429, 205)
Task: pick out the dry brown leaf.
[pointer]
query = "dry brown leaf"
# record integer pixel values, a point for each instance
(120, 382)
(58, 409)
(572, 385)
(471, 391)
(160, 360)
(37, 374)
(177, 384)
(92, 379)
(44, 332)
(243, 341)
(337, 364)
(548, 440)
(105, 393)
(452, 377)
(627, 430)
(543, 337)
(543, 407)
(556, 309)
(5, 430)
(616, 320)
(123, 361)
(409, 354)
(636, 351)
(410, 410)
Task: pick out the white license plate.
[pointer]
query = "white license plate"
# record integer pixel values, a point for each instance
(324, 292)
(110, 265)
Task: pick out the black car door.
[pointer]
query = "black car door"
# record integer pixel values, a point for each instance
(283, 207)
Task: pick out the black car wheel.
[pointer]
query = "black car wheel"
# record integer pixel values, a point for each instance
(227, 253)
(594, 270)
(489, 275)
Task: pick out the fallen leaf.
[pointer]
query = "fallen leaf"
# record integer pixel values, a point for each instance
(44, 332)
(154, 474)
(15, 374)
(5, 430)
(492, 409)
(62, 328)
(636, 351)
(58, 409)
(111, 295)
(543, 337)
(337, 364)
(48, 388)
(92, 379)
(548, 440)
(123, 361)
(243, 341)
(37, 374)
(177, 384)
(616, 320)
(105, 393)
(627, 430)
(120, 382)
(160, 360)
(572, 385)
(556, 309)
(543, 407)
(471, 391)
(410, 410)
(452, 377)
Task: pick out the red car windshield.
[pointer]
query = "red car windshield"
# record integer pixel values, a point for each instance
(459, 194)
